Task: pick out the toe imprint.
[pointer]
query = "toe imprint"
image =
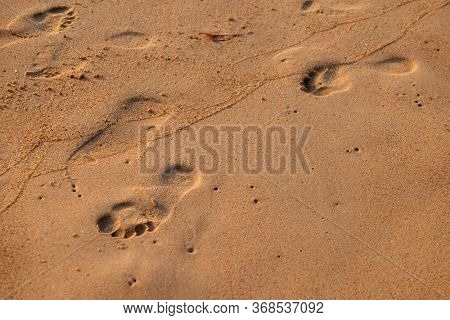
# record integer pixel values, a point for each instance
(148, 207)
(324, 80)
(35, 23)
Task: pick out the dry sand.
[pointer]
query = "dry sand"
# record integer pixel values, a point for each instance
(80, 220)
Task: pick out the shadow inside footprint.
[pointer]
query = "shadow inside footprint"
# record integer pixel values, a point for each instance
(50, 19)
(324, 80)
(107, 223)
(173, 171)
(396, 65)
(125, 220)
(148, 207)
(306, 5)
(130, 40)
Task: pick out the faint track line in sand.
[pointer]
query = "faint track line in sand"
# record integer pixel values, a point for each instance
(356, 60)
(229, 103)
(17, 162)
(21, 187)
(221, 106)
(356, 238)
(323, 31)
(403, 34)
(41, 28)
(226, 105)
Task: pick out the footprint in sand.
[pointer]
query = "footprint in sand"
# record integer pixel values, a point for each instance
(52, 61)
(130, 40)
(395, 65)
(306, 5)
(126, 219)
(327, 79)
(50, 72)
(121, 128)
(324, 80)
(331, 6)
(148, 207)
(34, 23)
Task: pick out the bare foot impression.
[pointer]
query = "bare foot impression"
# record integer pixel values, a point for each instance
(396, 65)
(329, 7)
(327, 79)
(148, 207)
(130, 40)
(34, 23)
(121, 130)
(324, 80)
(126, 219)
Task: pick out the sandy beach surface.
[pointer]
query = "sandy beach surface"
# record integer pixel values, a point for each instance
(91, 92)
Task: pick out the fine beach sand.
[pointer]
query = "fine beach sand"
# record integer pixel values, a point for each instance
(81, 220)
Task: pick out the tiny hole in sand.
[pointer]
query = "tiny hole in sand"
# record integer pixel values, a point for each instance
(190, 250)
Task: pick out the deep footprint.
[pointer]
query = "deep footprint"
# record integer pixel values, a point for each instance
(149, 207)
(129, 219)
(34, 23)
(324, 80)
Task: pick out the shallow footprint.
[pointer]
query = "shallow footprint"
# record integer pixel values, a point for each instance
(133, 117)
(130, 40)
(36, 22)
(330, 7)
(324, 80)
(396, 65)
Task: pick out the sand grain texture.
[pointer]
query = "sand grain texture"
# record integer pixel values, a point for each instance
(79, 219)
